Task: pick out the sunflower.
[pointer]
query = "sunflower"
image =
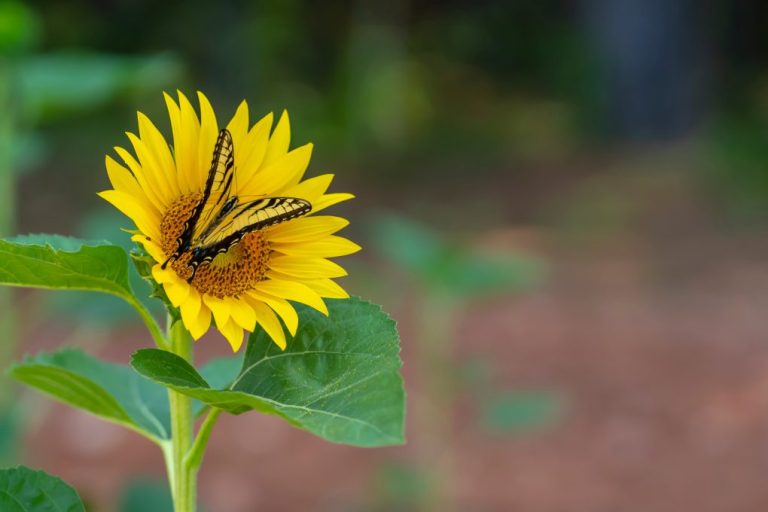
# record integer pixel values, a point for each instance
(254, 282)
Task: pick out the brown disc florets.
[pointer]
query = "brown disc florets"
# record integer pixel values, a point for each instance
(229, 274)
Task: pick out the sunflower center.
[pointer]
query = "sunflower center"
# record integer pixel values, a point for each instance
(230, 273)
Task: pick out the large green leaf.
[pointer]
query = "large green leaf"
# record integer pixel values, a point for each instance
(26, 490)
(111, 391)
(339, 377)
(52, 261)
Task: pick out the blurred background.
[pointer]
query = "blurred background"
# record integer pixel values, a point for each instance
(563, 204)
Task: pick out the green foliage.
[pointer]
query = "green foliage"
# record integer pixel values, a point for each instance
(110, 391)
(26, 490)
(402, 487)
(104, 224)
(736, 160)
(11, 431)
(146, 496)
(521, 411)
(19, 27)
(446, 267)
(57, 262)
(57, 84)
(338, 378)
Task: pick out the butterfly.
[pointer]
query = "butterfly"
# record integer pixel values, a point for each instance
(221, 219)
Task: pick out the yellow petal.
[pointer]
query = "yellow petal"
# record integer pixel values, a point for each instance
(163, 276)
(311, 190)
(272, 179)
(330, 200)
(270, 323)
(192, 315)
(160, 153)
(282, 307)
(233, 333)
(242, 313)
(279, 141)
(328, 247)
(305, 229)
(291, 290)
(327, 288)
(186, 145)
(249, 157)
(132, 208)
(123, 181)
(152, 171)
(197, 324)
(177, 291)
(180, 156)
(219, 307)
(302, 267)
(209, 132)
(193, 302)
(147, 185)
(238, 127)
(151, 247)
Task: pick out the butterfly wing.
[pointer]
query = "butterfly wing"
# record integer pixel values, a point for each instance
(221, 219)
(217, 195)
(248, 217)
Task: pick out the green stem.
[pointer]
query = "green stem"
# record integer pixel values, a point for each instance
(150, 322)
(183, 481)
(195, 456)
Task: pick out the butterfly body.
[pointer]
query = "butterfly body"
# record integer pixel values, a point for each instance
(221, 219)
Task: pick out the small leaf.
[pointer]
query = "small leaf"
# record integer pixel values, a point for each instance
(26, 490)
(167, 367)
(110, 391)
(339, 377)
(52, 261)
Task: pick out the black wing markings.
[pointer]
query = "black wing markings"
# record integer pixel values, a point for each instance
(219, 220)
(222, 166)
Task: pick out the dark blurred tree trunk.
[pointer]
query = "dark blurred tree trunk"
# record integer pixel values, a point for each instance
(655, 62)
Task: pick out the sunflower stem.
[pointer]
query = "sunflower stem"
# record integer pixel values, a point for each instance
(183, 482)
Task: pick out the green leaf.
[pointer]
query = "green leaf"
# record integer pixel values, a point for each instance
(58, 262)
(339, 377)
(110, 391)
(26, 490)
